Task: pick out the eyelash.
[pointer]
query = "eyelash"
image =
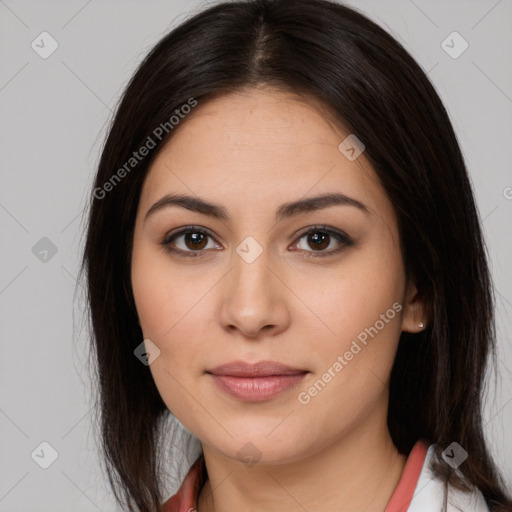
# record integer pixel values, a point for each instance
(345, 240)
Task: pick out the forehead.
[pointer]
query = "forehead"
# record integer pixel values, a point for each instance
(260, 145)
(260, 119)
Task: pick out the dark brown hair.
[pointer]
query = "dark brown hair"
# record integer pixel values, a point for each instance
(376, 89)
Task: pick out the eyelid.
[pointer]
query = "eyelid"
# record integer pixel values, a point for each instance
(184, 230)
(343, 238)
(169, 237)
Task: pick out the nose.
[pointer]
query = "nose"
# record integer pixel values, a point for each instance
(254, 298)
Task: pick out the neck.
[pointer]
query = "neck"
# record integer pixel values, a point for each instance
(359, 471)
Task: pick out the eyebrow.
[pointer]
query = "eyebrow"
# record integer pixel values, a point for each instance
(285, 211)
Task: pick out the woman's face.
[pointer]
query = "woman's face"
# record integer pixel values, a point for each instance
(257, 287)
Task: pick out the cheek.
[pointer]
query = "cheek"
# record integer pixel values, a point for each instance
(161, 295)
(345, 302)
(154, 308)
(354, 357)
(171, 315)
(172, 319)
(165, 305)
(358, 311)
(361, 333)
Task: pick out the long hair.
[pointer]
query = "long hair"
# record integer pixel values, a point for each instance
(371, 84)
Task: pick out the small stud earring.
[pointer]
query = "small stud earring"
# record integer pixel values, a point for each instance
(421, 325)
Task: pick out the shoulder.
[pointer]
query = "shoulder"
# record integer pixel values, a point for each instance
(430, 493)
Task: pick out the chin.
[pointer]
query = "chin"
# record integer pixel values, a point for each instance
(262, 451)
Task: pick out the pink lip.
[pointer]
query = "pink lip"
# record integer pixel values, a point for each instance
(255, 382)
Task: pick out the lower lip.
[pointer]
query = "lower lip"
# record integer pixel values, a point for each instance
(256, 389)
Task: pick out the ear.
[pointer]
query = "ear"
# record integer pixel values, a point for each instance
(414, 311)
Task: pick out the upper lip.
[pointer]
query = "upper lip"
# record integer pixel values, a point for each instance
(260, 369)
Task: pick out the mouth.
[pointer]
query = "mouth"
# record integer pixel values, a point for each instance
(256, 382)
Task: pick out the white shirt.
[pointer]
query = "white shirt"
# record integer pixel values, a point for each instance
(429, 493)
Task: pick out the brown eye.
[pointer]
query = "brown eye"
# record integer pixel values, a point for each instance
(190, 242)
(318, 241)
(195, 241)
(320, 238)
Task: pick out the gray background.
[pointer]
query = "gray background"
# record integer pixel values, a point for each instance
(54, 114)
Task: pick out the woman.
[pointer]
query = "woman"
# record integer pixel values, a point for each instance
(284, 254)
